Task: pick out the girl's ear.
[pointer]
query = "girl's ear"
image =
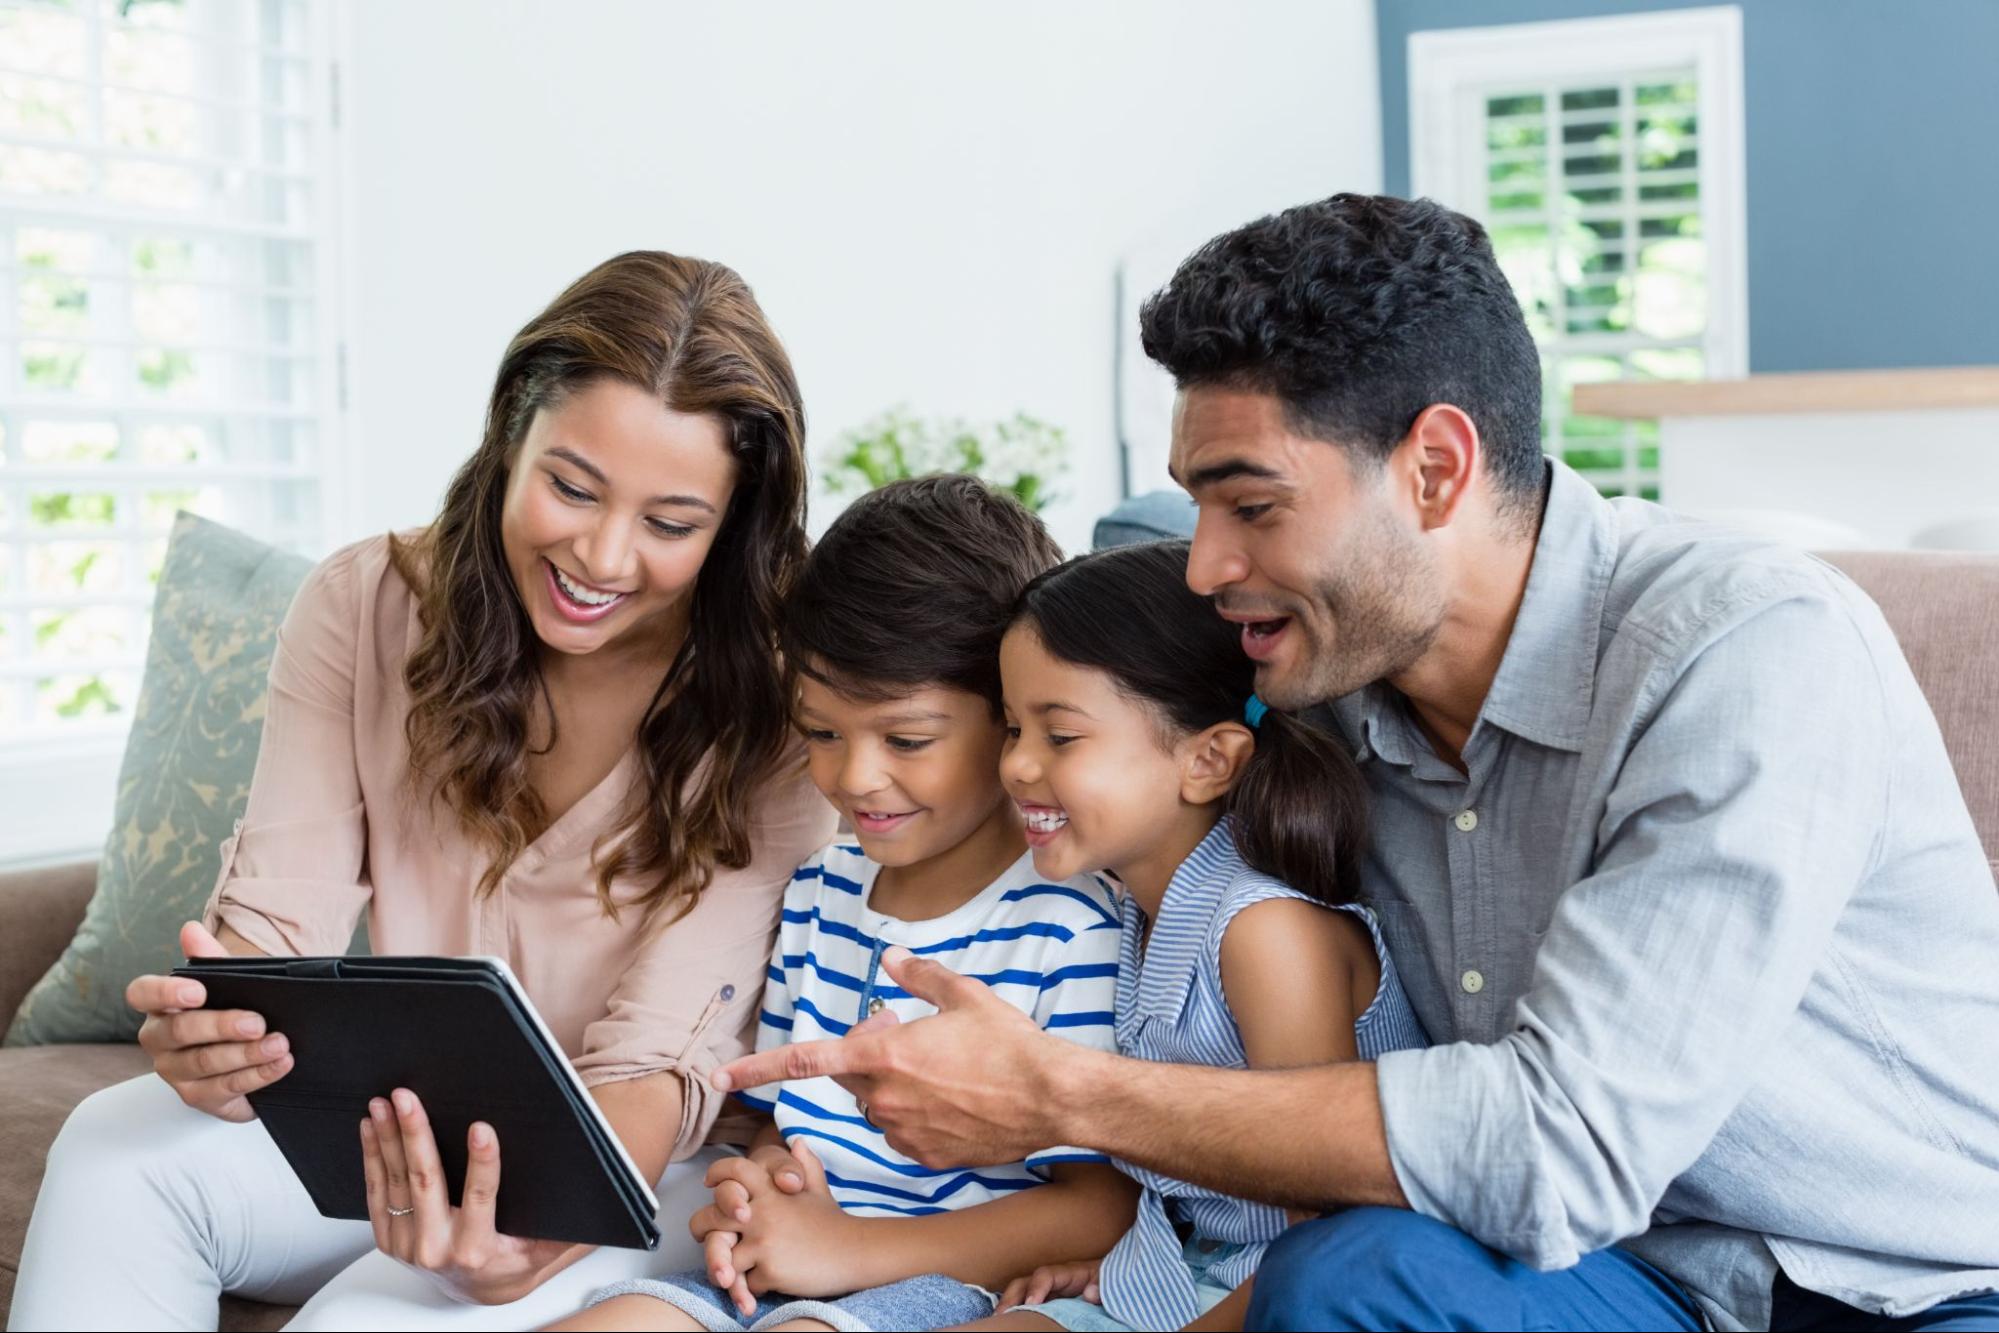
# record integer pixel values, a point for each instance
(1212, 761)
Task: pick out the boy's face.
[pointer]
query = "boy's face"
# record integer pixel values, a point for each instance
(915, 776)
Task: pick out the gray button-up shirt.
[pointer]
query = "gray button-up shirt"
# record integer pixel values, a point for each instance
(1705, 934)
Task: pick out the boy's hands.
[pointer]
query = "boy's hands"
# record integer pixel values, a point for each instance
(1053, 1281)
(774, 1226)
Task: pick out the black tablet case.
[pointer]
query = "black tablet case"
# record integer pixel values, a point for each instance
(451, 1031)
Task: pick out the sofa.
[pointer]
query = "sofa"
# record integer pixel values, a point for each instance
(1943, 607)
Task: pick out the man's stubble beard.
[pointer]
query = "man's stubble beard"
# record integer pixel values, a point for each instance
(1384, 612)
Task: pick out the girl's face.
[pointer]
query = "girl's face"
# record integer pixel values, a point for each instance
(612, 504)
(914, 775)
(1096, 781)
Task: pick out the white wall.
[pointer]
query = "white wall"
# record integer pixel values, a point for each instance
(930, 199)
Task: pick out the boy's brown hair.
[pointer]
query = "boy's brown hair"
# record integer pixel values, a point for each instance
(914, 585)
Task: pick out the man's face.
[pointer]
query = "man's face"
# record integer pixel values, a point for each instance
(1306, 545)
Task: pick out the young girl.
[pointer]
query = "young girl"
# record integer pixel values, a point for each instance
(1136, 745)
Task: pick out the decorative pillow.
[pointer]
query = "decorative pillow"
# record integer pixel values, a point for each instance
(1152, 517)
(184, 780)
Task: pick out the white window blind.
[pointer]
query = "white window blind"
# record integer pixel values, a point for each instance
(1593, 203)
(166, 328)
(1604, 157)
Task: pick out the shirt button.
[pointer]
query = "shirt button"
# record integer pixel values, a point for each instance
(728, 994)
(1466, 821)
(1473, 981)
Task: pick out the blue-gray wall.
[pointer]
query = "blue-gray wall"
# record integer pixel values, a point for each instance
(1872, 129)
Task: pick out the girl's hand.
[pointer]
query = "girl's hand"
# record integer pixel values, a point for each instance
(211, 1058)
(413, 1218)
(802, 1244)
(1053, 1281)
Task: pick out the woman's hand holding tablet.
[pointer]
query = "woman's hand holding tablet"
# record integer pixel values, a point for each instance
(413, 1216)
(213, 1058)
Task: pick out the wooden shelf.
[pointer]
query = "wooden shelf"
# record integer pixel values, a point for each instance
(1819, 391)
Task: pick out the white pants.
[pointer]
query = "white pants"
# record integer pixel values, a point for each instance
(149, 1211)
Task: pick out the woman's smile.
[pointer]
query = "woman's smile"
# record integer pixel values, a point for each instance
(579, 602)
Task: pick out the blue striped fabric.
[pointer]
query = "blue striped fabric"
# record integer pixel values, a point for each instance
(1170, 1007)
(1051, 950)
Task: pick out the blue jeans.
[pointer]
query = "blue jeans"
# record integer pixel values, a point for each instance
(1386, 1268)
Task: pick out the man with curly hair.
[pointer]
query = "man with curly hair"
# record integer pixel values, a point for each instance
(1666, 846)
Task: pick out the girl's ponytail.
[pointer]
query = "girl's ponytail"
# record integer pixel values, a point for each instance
(1300, 809)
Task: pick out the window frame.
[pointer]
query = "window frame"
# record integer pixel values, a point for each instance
(1451, 71)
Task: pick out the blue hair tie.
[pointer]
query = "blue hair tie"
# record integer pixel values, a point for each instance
(1254, 711)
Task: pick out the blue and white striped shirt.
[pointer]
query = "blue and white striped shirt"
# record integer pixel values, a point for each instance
(1170, 1006)
(1049, 949)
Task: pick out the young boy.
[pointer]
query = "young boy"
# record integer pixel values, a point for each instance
(893, 637)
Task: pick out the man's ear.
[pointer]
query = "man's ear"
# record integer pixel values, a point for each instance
(1437, 462)
(1212, 761)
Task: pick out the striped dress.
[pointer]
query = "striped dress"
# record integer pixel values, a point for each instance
(1049, 949)
(1170, 1007)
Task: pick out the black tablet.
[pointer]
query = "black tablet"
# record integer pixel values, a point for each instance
(461, 1034)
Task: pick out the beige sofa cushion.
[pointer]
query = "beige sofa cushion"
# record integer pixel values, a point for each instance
(1944, 608)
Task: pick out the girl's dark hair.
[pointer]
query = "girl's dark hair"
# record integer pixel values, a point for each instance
(690, 333)
(914, 585)
(1300, 809)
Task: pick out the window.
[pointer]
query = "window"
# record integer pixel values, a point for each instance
(1605, 158)
(167, 335)
(162, 341)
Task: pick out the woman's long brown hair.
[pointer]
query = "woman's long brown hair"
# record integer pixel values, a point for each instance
(690, 333)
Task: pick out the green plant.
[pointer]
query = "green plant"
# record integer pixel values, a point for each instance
(1021, 455)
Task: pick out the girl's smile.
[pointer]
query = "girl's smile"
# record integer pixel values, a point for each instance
(1044, 823)
(1097, 784)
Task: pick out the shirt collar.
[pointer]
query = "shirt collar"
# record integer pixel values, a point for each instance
(1547, 676)
(1175, 950)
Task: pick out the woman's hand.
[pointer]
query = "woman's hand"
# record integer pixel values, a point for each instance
(1053, 1281)
(413, 1217)
(212, 1058)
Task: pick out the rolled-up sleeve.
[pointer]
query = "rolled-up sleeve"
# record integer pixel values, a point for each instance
(688, 1002)
(1741, 822)
(293, 877)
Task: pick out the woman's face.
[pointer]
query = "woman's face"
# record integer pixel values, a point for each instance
(612, 503)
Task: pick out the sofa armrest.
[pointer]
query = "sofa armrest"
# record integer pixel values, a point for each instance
(39, 913)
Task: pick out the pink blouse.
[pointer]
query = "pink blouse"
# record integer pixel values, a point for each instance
(333, 827)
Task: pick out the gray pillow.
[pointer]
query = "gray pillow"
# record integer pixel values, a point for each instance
(184, 780)
(1152, 517)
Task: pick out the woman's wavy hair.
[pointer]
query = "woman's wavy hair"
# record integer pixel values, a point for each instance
(690, 333)
(1299, 811)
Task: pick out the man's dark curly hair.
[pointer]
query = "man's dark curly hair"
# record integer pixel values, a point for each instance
(1357, 312)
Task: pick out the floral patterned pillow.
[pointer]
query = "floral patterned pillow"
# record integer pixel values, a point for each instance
(184, 780)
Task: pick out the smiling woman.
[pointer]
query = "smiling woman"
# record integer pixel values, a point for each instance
(702, 433)
(550, 727)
